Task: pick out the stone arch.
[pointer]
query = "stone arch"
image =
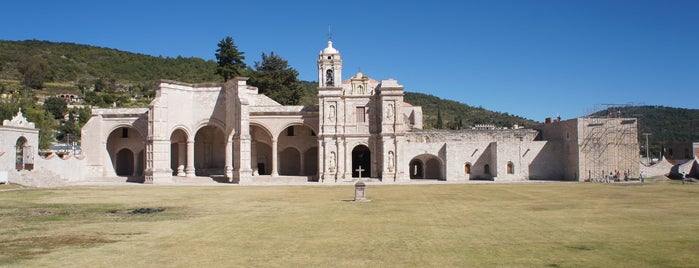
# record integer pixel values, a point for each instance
(128, 163)
(430, 165)
(178, 151)
(209, 151)
(260, 149)
(467, 168)
(297, 123)
(290, 162)
(510, 167)
(141, 132)
(361, 161)
(301, 138)
(209, 122)
(20, 152)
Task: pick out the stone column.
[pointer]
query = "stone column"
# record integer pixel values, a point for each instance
(189, 170)
(302, 163)
(275, 166)
(181, 158)
(321, 161)
(228, 166)
(253, 158)
(346, 163)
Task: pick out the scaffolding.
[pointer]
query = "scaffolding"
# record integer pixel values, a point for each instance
(609, 143)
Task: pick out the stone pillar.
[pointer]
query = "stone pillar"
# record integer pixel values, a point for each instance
(321, 161)
(253, 158)
(160, 170)
(189, 170)
(275, 166)
(400, 165)
(181, 158)
(228, 166)
(243, 171)
(346, 164)
(301, 161)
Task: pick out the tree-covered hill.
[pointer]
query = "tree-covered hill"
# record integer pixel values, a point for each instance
(68, 62)
(456, 115)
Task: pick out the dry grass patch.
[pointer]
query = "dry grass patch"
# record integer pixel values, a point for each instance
(555, 225)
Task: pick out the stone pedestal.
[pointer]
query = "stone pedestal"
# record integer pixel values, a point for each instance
(360, 192)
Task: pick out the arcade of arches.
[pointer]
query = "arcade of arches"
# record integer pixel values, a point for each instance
(295, 148)
(426, 166)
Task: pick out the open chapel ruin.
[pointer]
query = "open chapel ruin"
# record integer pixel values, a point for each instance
(361, 128)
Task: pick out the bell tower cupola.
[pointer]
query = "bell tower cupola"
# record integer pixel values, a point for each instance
(329, 67)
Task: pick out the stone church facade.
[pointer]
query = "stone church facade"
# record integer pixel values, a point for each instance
(361, 128)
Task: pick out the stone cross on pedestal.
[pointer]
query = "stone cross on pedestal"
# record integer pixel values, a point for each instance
(360, 169)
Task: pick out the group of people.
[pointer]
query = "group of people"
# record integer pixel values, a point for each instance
(614, 176)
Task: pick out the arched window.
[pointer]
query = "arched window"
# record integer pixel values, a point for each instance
(467, 168)
(510, 168)
(486, 169)
(19, 153)
(329, 79)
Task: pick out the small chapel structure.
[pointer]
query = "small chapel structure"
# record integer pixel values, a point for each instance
(361, 129)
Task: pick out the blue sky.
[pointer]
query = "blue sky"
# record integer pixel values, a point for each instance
(535, 59)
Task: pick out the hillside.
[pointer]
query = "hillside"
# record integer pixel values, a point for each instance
(666, 124)
(68, 62)
(452, 112)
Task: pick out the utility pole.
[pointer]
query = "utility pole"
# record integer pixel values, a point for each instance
(647, 153)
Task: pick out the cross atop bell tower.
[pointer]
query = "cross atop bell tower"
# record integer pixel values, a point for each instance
(329, 66)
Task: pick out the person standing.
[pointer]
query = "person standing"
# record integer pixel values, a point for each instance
(643, 177)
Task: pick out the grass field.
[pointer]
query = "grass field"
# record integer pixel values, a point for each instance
(456, 225)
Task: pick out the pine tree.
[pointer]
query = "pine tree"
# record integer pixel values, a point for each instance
(439, 124)
(277, 80)
(230, 60)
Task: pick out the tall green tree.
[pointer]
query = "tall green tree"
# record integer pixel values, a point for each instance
(439, 124)
(275, 78)
(57, 106)
(230, 60)
(34, 71)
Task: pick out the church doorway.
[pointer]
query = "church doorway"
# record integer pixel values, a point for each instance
(125, 147)
(361, 162)
(426, 166)
(209, 151)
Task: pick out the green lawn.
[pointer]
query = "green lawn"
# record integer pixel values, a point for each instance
(456, 225)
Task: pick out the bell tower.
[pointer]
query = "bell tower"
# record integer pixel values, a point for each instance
(330, 115)
(329, 67)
